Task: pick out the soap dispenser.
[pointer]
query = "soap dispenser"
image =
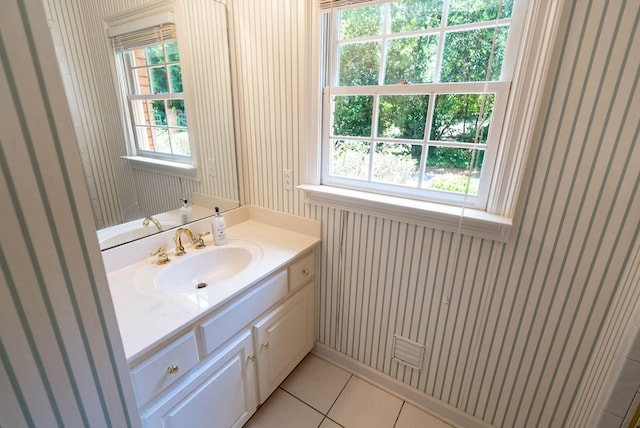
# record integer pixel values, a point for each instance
(185, 211)
(219, 228)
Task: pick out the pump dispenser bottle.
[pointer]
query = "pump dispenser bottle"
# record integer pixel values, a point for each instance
(185, 211)
(219, 228)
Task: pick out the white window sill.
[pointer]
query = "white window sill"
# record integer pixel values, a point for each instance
(162, 166)
(437, 216)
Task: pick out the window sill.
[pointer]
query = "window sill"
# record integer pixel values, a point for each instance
(162, 166)
(437, 216)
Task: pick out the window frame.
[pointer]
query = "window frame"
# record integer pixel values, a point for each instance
(499, 88)
(128, 74)
(541, 22)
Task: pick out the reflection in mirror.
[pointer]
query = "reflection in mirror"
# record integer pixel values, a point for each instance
(124, 189)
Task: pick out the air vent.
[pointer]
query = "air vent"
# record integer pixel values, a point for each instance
(407, 352)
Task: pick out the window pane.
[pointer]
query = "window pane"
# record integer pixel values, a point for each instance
(468, 11)
(397, 163)
(411, 59)
(158, 113)
(158, 80)
(411, 15)
(359, 64)
(175, 74)
(180, 142)
(457, 116)
(350, 159)
(137, 57)
(143, 84)
(352, 115)
(172, 51)
(467, 53)
(155, 54)
(153, 139)
(448, 169)
(363, 21)
(402, 116)
(177, 114)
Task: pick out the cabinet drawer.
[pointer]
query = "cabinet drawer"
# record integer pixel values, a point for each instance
(164, 368)
(223, 325)
(302, 271)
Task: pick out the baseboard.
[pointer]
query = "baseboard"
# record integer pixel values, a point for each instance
(447, 413)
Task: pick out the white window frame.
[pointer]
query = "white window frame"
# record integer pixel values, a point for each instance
(146, 16)
(540, 25)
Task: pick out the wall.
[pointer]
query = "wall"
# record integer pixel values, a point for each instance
(62, 358)
(533, 325)
(119, 193)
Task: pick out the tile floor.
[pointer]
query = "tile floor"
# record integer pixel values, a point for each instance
(320, 395)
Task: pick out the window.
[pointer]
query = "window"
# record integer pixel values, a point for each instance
(153, 99)
(415, 97)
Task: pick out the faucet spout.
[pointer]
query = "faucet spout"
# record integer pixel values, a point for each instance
(177, 239)
(146, 221)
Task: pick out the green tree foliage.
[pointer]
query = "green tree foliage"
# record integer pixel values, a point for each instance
(411, 58)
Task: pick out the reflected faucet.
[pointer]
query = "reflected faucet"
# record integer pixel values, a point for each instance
(197, 241)
(146, 221)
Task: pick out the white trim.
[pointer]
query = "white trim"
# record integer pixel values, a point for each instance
(161, 166)
(438, 216)
(429, 404)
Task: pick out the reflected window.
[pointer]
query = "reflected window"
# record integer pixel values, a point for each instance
(151, 80)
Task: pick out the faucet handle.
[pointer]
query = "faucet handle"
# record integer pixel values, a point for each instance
(163, 258)
(199, 241)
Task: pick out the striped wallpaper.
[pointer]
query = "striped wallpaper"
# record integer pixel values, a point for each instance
(62, 359)
(118, 192)
(533, 325)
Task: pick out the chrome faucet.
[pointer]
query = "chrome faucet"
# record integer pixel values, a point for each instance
(146, 220)
(196, 240)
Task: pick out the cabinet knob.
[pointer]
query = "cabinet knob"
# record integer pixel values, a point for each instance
(265, 346)
(172, 369)
(305, 272)
(251, 358)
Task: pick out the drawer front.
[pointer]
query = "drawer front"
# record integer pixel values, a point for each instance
(224, 324)
(302, 271)
(164, 368)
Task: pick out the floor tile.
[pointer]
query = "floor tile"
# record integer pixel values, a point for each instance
(316, 382)
(362, 405)
(412, 417)
(282, 410)
(328, 423)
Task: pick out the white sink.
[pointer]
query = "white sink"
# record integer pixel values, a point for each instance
(199, 269)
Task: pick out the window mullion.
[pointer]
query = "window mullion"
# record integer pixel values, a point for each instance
(374, 132)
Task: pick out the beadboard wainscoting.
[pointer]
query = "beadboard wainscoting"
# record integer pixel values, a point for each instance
(532, 326)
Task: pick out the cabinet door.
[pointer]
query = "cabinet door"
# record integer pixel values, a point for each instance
(283, 338)
(221, 395)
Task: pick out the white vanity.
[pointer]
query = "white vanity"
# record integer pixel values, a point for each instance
(207, 357)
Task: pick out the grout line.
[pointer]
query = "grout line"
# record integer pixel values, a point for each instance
(398, 415)
(338, 396)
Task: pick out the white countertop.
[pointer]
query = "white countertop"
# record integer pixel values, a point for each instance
(146, 319)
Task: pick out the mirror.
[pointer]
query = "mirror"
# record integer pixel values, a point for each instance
(124, 191)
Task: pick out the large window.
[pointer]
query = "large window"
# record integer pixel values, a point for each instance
(415, 96)
(153, 92)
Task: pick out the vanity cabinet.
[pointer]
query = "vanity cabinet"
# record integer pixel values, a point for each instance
(221, 393)
(282, 339)
(217, 372)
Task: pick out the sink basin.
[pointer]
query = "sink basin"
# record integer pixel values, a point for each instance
(199, 270)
